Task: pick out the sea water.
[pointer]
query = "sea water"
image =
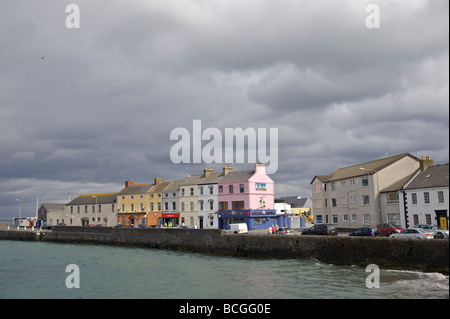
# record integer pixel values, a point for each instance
(38, 270)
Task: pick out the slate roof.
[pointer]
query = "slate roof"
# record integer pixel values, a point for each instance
(89, 199)
(137, 189)
(362, 169)
(431, 176)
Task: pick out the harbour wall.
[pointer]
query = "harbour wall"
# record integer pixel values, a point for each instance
(388, 253)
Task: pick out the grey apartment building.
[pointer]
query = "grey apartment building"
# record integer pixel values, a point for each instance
(354, 196)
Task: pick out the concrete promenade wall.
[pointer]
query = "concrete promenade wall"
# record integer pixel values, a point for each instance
(389, 253)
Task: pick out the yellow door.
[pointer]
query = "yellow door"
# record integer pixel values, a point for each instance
(443, 222)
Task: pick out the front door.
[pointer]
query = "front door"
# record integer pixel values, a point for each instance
(201, 222)
(442, 218)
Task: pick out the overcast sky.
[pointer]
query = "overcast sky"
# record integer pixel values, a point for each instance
(84, 109)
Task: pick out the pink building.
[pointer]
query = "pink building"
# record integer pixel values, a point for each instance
(251, 189)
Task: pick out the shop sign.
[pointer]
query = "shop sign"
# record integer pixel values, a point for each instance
(260, 186)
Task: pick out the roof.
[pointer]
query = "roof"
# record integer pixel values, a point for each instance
(92, 199)
(294, 201)
(136, 189)
(158, 188)
(173, 186)
(362, 169)
(397, 186)
(238, 176)
(212, 178)
(49, 206)
(431, 176)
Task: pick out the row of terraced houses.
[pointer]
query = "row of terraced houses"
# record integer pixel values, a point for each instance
(400, 189)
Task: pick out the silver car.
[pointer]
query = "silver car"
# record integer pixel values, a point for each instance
(414, 233)
(438, 231)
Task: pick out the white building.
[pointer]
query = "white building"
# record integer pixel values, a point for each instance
(425, 198)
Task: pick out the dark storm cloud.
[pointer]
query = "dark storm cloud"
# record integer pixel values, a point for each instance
(100, 106)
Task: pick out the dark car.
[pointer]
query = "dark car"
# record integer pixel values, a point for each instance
(366, 232)
(389, 229)
(329, 230)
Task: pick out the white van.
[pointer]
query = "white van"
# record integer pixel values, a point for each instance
(240, 228)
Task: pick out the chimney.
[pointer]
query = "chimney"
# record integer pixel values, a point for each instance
(260, 168)
(207, 172)
(227, 169)
(158, 180)
(128, 183)
(425, 161)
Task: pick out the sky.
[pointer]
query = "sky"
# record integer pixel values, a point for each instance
(84, 109)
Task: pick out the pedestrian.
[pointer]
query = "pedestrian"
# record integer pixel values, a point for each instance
(274, 230)
(270, 230)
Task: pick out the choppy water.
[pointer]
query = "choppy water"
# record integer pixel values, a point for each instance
(37, 270)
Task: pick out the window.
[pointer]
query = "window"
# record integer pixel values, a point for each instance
(365, 181)
(241, 188)
(344, 200)
(123, 207)
(335, 219)
(132, 207)
(334, 202)
(353, 217)
(366, 200)
(174, 205)
(414, 198)
(166, 206)
(318, 203)
(426, 197)
(317, 188)
(192, 221)
(441, 197)
(152, 207)
(211, 190)
(353, 181)
(192, 191)
(428, 219)
(237, 205)
(345, 217)
(343, 183)
(211, 205)
(200, 203)
(366, 219)
(223, 205)
(191, 206)
(182, 206)
(142, 207)
(159, 206)
(392, 198)
(230, 189)
(182, 192)
(333, 186)
(319, 219)
(352, 199)
(220, 188)
(200, 189)
(416, 219)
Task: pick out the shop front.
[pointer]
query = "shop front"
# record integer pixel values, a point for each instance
(170, 219)
(255, 219)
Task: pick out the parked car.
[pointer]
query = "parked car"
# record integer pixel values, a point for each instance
(414, 233)
(120, 226)
(389, 229)
(321, 230)
(285, 231)
(239, 228)
(366, 232)
(439, 232)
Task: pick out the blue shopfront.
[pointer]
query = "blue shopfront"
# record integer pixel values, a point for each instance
(255, 219)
